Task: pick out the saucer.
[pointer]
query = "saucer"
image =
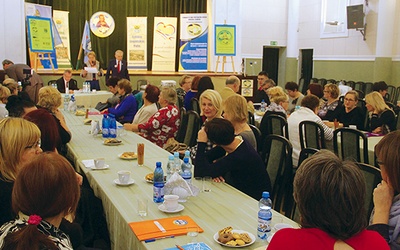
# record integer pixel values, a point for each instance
(130, 182)
(279, 226)
(164, 209)
(102, 168)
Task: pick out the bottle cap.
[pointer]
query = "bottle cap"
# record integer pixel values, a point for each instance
(158, 164)
(187, 153)
(176, 154)
(265, 195)
(186, 160)
(170, 157)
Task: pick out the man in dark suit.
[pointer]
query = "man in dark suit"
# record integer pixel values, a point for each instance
(117, 67)
(67, 81)
(31, 83)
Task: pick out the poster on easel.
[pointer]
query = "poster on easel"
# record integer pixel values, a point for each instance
(40, 35)
(136, 42)
(225, 40)
(193, 45)
(38, 10)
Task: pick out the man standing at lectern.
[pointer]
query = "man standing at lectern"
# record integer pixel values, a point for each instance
(67, 81)
(117, 67)
(31, 82)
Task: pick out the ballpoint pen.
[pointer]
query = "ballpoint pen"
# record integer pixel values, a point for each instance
(159, 238)
(179, 247)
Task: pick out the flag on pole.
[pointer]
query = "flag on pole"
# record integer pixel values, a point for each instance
(56, 35)
(86, 44)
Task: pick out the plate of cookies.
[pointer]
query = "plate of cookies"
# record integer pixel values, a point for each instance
(112, 142)
(128, 156)
(230, 237)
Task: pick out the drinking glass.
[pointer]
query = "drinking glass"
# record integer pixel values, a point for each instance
(140, 153)
(142, 207)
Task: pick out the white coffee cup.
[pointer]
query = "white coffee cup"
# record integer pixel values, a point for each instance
(171, 202)
(353, 126)
(124, 176)
(99, 162)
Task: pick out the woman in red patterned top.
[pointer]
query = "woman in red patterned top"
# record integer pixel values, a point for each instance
(163, 124)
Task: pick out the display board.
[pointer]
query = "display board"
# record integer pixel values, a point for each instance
(40, 34)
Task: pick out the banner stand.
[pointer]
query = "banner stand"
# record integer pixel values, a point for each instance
(223, 64)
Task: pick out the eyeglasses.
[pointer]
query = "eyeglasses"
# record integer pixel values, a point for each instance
(349, 100)
(35, 145)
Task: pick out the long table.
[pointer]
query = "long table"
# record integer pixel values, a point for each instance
(223, 206)
(90, 100)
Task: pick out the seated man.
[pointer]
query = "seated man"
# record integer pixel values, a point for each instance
(67, 81)
(245, 166)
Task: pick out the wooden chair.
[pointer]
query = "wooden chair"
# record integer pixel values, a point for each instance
(350, 146)
(195, 105)
(372, 179)
(311, 135)
(275, 125)
(277, 155)
(359, 86)
(391, 91)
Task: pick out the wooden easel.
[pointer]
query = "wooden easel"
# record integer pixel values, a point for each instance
(223, 64)
(41, 56)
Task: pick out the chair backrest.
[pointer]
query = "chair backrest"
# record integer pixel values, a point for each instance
(392, 93)
(301, 85)
(361, 94)
(331, 81)
(49, 83)
(368, 87)
(350, 83)
(398, 121)
(141, 82)
(179, 102)
(322, 81)
(353, 144)
(276, 125)
(250, 118)
(180, 136)
(195, 105)
(311, 135)
(359, 86)
(305, 153)
(192, 127)
(257, 134)
(277, 155)
(372, 179)
(397, 96)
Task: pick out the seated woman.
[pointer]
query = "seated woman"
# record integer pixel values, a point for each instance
(127, 107)
(330, 109)
(349, 113)
(330, 198)
(235, 111)
(279, 106)
(307, 112)
(50, 99)
(41, 208)
(295, 96)
(385, 218)
(246, 168)
(19, 107)
(317, 90)
(382, 118)
(149, 108)
(4, 94)
(92, 77)
(164, 123)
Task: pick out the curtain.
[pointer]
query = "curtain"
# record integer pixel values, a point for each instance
(81, 10)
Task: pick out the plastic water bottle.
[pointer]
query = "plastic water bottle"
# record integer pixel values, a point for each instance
(112, 126)
(186, 170)
(177, 162)
(263, 106)
(105, 126)
(158, 184)
(66, 101)
(170, 166)
(72, 104)
(264, 216)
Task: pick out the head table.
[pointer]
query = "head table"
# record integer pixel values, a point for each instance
(223, 206)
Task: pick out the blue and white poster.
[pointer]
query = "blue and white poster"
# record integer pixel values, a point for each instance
(193, 46)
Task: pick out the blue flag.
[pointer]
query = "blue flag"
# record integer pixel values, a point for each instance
(86, 44)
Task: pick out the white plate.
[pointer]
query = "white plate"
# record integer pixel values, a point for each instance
(252, 237)
(106, 166)
(164, 209)
(112, 143)
(127, 158)
(130, 182)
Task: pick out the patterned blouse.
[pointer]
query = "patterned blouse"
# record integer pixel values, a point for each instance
(60, 239)
(161, 126)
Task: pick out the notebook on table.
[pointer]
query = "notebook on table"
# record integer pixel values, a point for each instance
(173, 226)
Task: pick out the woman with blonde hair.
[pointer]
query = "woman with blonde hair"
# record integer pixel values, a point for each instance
(4, 94)
(19, 142)
(44, 192)
(164, 123)
(50, 99)
(12, 85)
(235, 111)
(92, 77)
(382, 118)
(330, 109)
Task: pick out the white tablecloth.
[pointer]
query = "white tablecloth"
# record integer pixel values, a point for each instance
(90, 100)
